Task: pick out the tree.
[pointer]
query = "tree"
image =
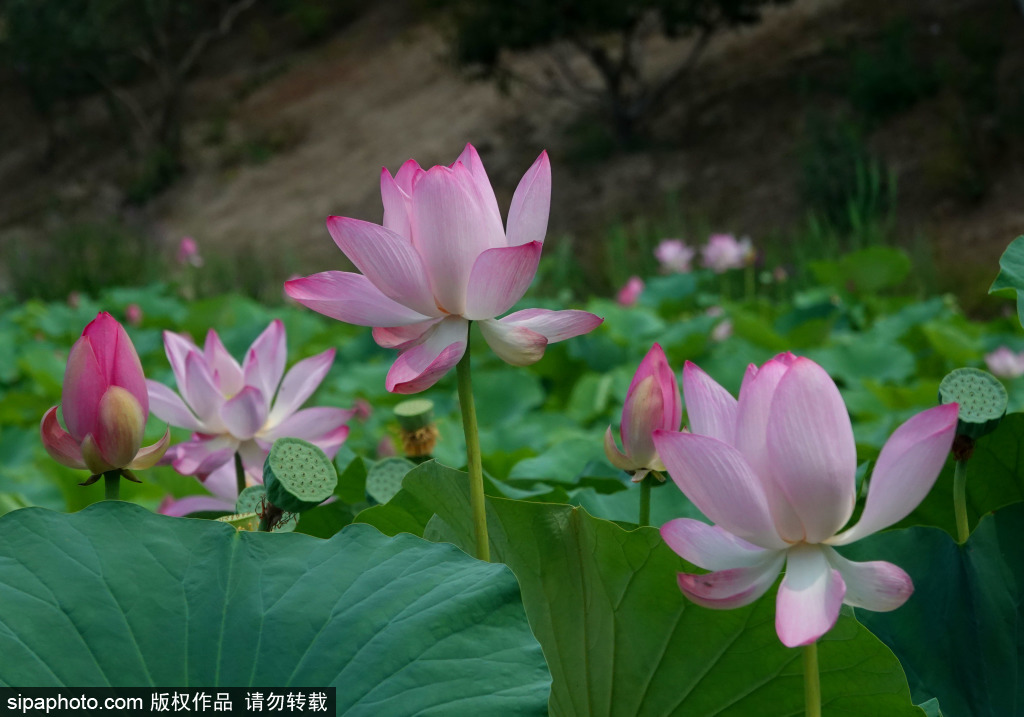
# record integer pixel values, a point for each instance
(138, 53)
(608, 36)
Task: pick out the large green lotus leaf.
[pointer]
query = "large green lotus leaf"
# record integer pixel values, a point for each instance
(1011, 274)
(116, 595)
(961, 637)
(995, 478)
(622, 640)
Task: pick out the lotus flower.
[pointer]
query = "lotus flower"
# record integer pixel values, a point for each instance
(724, 252)
(674, 256)
(104, 403)
(232, 409)
(441, 260)
(652, 403)
(774, 472)
(630, 293)
(1004, 363)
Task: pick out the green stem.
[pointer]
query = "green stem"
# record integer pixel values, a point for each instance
(239, 473)
(750, 282)
(645, 500)
(473, 463)
(112, 485)
(963, 530)
(812, 681)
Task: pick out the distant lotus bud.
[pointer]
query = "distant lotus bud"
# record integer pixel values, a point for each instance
(674, 256)
(133, 314)
(104, 403)
(652, 403)
(188, 252)
(630, 293)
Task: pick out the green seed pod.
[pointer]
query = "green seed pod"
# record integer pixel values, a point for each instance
(249, 500)
(242, 520)
(414, 414)
(384, 479)
(982, 398)
(297, 475)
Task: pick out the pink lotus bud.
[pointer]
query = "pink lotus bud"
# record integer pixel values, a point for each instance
(188, 252)
(652, 403)
(722, 331)
(674, 256)
(105, 404)
(630, 293)
(361, 410)
(1004, 363)
(133, 314)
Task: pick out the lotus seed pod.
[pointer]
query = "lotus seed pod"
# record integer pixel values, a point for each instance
(416, 427)
(982, 398)
(297, 475)
(249, 500)
(384, 478)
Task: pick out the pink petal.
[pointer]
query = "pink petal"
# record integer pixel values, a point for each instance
(387, 259)
(402, 337)
(396, 204)
(875, 585)
(531, 203)
(299, 384)
(450, 229)
(656, 365)
(554, 325)
(809, 597)
(423, 365)
(84, 385)
(202, 456)
(245, 413)
(227, 374)
(906, 470)
(641, 416)
(753, 414)
(200, 392)
(351, 298)
(516, 345)
(812, 451)
(322, 426)
(166, 405)
(470, 159)
(117, 359)
(119, 430)
(710, 547)
(265, 360)
(149, 456)
(616, 457)
(58, 443)
(195, 504)
(499, 279)
(710, 409)
(733, 587)
(715, 476)
(178, 347)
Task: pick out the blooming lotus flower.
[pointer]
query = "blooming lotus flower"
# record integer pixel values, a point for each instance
(674, 256)
(1004, 363)
(774, 472)
(240, 409)
(104, 403)
(629, 294)
(724, 252)
(441, 260)
(652, 403)
(188, 253)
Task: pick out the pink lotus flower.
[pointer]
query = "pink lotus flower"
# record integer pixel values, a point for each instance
(630, 293)
(133, 314)
(188, 252)
(441, 260)
(724, 252)
(774, 472)
(1004, 363)
(674, 256)
(652, 403)
(233, 409)
(104, 404)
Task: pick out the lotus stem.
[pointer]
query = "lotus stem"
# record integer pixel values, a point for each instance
(112, 485)
(812, 681)
(239, 472)
(963, 530)
(645, 500)
(473, 463)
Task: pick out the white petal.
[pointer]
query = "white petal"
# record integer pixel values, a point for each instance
(809, 597)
